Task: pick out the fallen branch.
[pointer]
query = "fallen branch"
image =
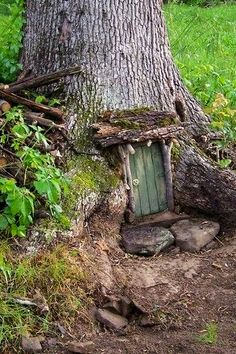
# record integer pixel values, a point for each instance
(107, 135)
(38, 300)
(4, 106)
(9, 152)
(11, 97)
(46, 79)
(40, 120)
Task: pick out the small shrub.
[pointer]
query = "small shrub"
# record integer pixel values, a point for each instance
(29, 181)
(224, 122)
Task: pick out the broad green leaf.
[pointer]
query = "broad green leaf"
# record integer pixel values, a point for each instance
(3, 222)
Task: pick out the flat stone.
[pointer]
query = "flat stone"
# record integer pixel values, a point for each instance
(82, 348)
(111, 320)
(31, 344)
(211, 246)
(146, 240)
(113, 306)
(193, 234)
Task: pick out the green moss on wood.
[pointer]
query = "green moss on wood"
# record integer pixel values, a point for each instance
(167, 121)
(176, 152)
(127, 124)
(89, 176)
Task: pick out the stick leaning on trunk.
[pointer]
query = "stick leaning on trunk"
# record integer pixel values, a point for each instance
(42, 80)
(56, 113)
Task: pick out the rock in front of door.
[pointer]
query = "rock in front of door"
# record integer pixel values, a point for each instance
(146, 240)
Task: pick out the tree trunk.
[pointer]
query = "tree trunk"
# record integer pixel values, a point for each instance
(123, 51)
(200, 184)
(121, 46)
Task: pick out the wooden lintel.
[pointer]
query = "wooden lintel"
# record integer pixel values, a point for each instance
(137, 136)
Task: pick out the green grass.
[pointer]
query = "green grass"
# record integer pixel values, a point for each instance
(203, 43)
(210, 334)
(57, 276)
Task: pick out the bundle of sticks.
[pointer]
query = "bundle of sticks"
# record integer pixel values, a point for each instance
(36, 113)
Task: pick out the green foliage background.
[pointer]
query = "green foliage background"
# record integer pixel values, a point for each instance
(203, 43)
(11, 22)
(204, 3)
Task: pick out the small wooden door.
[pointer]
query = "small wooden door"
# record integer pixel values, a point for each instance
(148, 177)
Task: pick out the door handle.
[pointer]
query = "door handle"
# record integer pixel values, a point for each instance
(135, 182)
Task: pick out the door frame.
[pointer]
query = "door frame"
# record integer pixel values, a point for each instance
(148, 178)
(125, 151)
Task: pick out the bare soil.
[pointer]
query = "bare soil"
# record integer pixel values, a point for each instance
(182, 293)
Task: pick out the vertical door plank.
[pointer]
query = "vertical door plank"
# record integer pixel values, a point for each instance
(160, 176)
(137, 200)
(143, 191)
(150, 179)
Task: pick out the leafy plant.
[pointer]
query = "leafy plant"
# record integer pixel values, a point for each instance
(11, 21)
(210, 334)
(224, 122)
(36, 181)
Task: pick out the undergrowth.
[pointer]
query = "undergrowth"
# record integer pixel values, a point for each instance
(29, 178)
(206, 60)
(11, 22)
(223, 122)
(54, 279)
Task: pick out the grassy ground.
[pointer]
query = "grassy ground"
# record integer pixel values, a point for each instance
(203, 42)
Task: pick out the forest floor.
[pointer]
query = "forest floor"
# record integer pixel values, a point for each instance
(190, 298)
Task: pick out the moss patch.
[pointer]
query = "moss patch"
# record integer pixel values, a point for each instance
(127, 124)
(90, 176)
(167, 121)
(176, 152)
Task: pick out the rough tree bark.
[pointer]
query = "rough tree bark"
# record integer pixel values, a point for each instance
(123, 50)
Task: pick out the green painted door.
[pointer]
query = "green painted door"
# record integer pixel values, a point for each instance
(148, 179)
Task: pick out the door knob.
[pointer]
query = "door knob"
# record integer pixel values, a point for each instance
(135, 182)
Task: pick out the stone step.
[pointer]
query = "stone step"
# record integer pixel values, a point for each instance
(146, 240)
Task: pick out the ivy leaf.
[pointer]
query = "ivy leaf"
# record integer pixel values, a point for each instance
(225, 163)
(3, 223)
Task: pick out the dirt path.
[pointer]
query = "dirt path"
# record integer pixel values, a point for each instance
(191, 300)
